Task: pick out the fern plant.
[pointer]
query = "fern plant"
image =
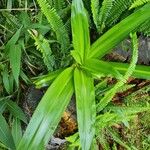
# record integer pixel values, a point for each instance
(79, 78)
(110, 12)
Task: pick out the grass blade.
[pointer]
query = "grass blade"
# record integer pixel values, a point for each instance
(16, 110)
(86, 112)
(120, 31)
(48, 112)
(5, 134)
(16, 131)
(15, 61)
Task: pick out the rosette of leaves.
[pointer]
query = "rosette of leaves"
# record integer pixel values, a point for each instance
(79, 78)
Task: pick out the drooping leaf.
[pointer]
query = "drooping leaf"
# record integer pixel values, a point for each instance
(80, 28)
(120, 31)
(5, 134)
(86, 112)
(16, 110)
(48, 112)
(15, 61)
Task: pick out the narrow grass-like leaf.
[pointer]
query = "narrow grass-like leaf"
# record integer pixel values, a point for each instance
(86, 112)
(80, 28)
(49, 111)
(120, 31)
(15, 61)
(16, 131)
(140, 71)
(13, 40)
(98, 68)
(118, 139)
(5, 134)
(6, 80)
(16, 110)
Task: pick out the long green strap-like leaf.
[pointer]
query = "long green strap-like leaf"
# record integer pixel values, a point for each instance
(140, 71)
(49, 111)
(80, 28)
(120, 31)
(5, 134)
(98, 68)
(15, 61)
(86, 111)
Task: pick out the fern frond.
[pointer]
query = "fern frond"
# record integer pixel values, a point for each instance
(145, 28)
(56, 24)
(59, 5)
(43, 46)
(104, 13)
(138, 3)
(119, 6)
(95, 11)
(110, 94)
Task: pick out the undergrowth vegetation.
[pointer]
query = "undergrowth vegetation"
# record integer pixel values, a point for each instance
(60, 45)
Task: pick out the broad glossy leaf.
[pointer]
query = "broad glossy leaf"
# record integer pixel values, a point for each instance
(16, 131)
(86, 110)
(140, 71)
(49, 111)
(120, 31)
(98, 68)
(16, 110)
(5, 134)
(15, 60)
(80, 28)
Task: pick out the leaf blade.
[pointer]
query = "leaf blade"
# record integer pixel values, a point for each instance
(86, 111)
(120, 31)
(48, 111)
(5, 134)
(80, 31)
(15, 61)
